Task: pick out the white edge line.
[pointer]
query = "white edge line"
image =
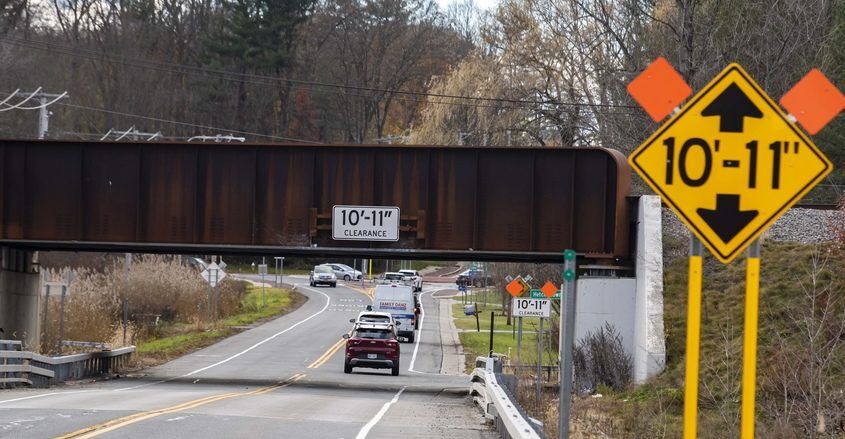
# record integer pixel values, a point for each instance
(47, 394)
(328, 302)
(365, 430)
(226, 360)
(419, 336)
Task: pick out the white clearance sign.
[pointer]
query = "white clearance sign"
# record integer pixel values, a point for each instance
(365, 223)
(525, 307)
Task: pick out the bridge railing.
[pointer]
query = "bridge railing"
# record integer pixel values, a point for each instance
(498, 404)
(18, 367)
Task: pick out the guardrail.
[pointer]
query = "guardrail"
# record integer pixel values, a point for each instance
(28, 368)
(497, 404)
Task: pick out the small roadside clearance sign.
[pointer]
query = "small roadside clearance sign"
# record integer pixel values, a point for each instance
(730, 163)
(525, 307)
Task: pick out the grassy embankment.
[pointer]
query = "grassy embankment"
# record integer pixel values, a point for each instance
(478, 343)
(179, 338)
(800, 358)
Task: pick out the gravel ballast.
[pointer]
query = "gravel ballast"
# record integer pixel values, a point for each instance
(796, 225)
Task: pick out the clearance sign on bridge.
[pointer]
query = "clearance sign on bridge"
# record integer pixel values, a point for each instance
(729, 163)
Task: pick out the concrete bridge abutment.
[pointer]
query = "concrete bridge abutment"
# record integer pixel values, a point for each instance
(20, 296)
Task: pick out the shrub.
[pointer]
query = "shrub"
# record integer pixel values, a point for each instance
(601, 360)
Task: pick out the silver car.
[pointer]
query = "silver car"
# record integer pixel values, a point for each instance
(345, 272)
(322, 274)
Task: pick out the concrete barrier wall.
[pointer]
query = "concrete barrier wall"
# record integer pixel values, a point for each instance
(20, 288)
(633, 305)
(649, 336)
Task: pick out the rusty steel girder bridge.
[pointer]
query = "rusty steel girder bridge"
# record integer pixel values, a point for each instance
(463, 203)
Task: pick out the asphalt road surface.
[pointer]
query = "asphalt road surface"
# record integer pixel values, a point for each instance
(283, 379)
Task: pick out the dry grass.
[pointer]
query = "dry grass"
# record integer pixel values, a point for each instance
(157, 289)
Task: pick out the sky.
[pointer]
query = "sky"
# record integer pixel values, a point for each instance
(482, 4)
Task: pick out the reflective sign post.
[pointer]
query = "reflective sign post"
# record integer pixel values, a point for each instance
(749, 346)
(693, 335)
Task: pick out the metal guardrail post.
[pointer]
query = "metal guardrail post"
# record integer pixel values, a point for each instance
(40, 371)
(497, 404)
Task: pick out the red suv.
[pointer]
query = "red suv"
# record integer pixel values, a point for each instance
(372, 345)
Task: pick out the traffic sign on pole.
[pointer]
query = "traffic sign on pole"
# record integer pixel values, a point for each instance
(525, 307)
(730, 163)
(539, 294)
(213, 274)
(517, 287)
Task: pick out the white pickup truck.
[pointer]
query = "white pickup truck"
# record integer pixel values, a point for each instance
(414, 277)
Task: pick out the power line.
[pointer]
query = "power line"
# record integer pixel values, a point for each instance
(273, 81)
(43, 113)
(174, 122)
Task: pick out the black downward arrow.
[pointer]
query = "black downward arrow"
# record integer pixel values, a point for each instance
(732, 105)
(727, 220)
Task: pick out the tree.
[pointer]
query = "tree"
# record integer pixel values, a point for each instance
(382, 53)
(260, 36)
(490, 120)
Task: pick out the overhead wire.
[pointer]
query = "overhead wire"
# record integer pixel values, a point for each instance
(11, 95)
(125, 133)
(265, 80)
(46, 104)
(26, 99)
(174, 122)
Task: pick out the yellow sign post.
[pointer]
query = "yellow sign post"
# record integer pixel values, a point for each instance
(693, 339)
(729, 163)
(749, 345)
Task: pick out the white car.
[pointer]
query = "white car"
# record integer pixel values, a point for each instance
(416, 279)
(374, 317)
(394, 277)
(345, 272)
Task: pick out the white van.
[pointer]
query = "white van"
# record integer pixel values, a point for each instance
(398, 300)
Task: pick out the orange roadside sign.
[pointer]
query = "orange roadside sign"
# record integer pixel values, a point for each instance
(814, 101)
(549, 289)
(659, 89)
(517, 287)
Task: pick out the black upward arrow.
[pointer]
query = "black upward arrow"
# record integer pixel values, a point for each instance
(727, 220)
(732, 105)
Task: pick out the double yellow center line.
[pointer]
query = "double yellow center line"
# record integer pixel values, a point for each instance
(340, 343)
(114, 424)
(328, 354)
(369, 292)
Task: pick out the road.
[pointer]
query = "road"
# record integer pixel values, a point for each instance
(282, 379)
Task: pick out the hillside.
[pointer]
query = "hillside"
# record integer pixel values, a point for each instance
(800, 358)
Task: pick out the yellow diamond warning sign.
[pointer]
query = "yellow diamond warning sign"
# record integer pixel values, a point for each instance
(730, 163)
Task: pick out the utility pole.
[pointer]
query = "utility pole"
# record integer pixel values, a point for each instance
(43, 112)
